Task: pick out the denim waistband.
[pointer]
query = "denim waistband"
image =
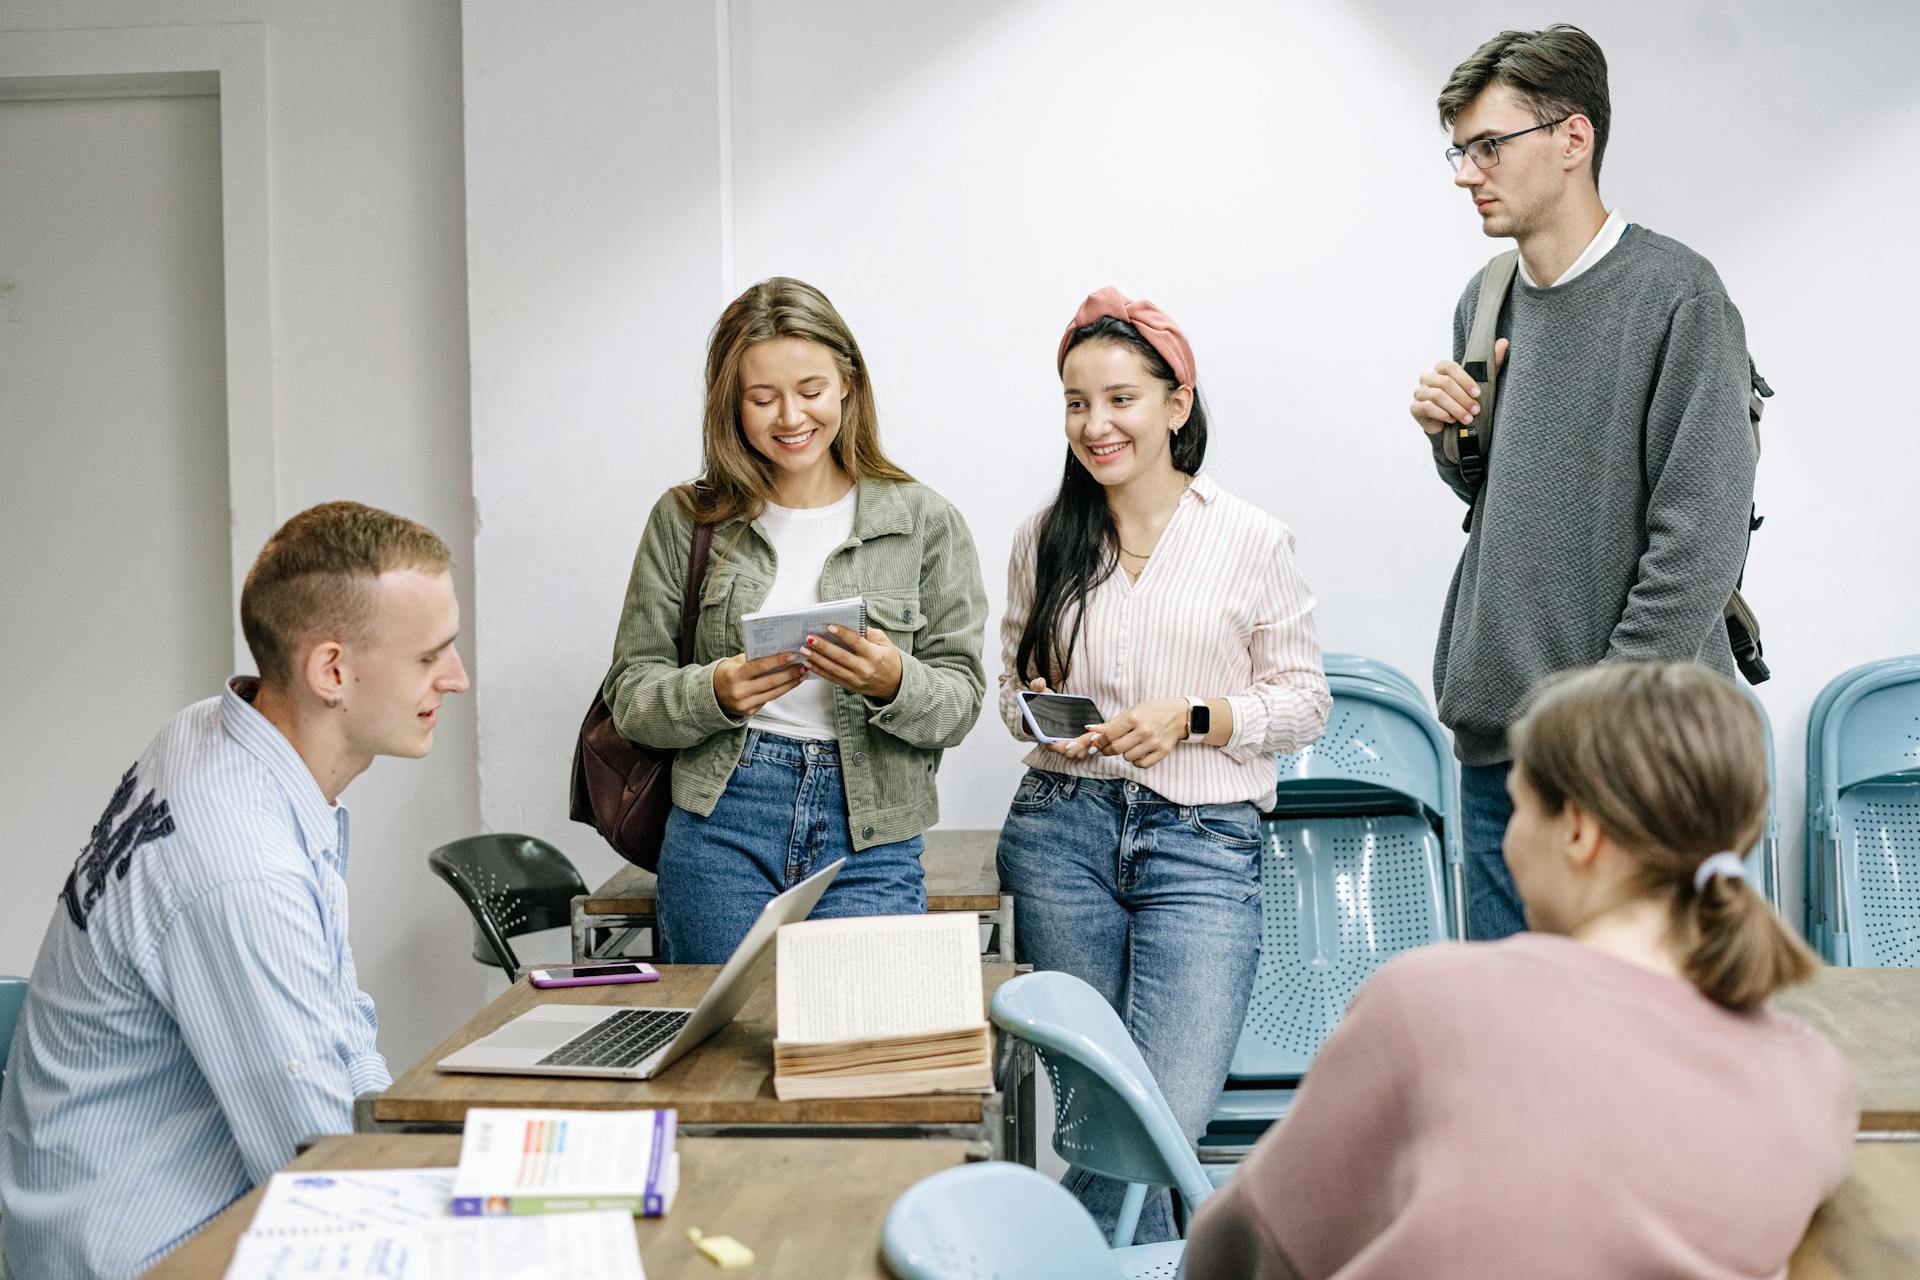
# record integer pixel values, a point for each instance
(761, 745)
(1120, 790)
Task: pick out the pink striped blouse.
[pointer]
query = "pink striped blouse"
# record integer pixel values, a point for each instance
(1220, 611)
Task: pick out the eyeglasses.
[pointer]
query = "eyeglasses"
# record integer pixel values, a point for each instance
(1485, 152)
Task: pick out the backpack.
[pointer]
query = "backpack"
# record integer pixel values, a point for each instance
(1469, 445)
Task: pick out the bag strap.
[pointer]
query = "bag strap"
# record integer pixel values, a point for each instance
(1469, 445)
(696, 576)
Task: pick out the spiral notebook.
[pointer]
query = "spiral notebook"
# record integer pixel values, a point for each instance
(786, 630)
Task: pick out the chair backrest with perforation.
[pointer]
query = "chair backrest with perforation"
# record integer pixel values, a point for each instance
(1109, 1115)
(512, 884)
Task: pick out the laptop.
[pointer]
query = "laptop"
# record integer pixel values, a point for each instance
(630, 1043)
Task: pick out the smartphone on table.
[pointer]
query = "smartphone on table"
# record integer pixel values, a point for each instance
(593, 975)
(1058, 717)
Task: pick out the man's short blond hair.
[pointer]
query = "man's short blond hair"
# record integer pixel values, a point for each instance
(314, 579)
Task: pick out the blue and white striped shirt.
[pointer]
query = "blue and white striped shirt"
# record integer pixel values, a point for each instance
(194, 1011)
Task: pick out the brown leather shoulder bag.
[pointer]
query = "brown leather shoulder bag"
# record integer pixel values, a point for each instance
(620, 788)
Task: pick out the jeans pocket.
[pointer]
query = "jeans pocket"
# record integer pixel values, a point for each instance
(1234, 825)
(1037, 790)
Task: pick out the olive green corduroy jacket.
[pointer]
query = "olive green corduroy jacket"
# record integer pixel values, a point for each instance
(911, 558)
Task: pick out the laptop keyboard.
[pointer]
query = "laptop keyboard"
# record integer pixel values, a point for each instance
(624, 1040)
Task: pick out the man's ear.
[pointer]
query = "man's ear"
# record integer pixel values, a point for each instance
(326, 672)
(1577, 149)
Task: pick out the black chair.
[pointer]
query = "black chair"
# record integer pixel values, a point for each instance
(512, 884)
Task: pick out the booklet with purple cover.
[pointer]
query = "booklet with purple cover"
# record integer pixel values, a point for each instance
(518, 1161)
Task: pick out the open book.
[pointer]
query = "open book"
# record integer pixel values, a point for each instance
(876, 1006)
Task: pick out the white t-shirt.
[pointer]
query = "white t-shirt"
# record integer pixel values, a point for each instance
(802, 540)
(1597, 248)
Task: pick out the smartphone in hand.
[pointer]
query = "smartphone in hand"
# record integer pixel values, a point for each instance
(1058, 717)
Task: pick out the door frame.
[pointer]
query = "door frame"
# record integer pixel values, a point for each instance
(230, 61)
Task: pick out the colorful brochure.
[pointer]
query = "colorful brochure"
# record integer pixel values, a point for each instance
(516, 1161)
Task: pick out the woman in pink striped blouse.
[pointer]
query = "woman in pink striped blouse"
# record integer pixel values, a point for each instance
(1133, 849)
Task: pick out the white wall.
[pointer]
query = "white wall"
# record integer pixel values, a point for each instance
(370, 399)
(109, 234)
(957, 177)
(594, 234)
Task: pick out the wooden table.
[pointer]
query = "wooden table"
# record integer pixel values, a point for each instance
(1873, 1017)
(722, 1088)
(1871, 1226)
(806, 1207)
(961, 876)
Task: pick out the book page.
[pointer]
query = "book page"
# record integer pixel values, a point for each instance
(340, 1200)
(878, 976)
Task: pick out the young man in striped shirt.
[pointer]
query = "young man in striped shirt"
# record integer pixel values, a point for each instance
(1612, 521)
(194, 1011)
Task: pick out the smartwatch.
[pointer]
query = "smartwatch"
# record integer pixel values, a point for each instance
(1199, 717)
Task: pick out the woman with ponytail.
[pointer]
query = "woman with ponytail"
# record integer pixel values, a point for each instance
(1609, 1095)
(1134, 848)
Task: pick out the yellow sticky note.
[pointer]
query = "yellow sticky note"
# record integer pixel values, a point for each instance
(722, 1251)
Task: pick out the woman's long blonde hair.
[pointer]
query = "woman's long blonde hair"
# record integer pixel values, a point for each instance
(737, 482)
(1671, 760)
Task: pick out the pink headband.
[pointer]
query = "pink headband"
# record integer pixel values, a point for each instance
(1155, 325)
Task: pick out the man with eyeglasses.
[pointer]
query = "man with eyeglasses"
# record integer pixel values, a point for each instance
(1610, 520)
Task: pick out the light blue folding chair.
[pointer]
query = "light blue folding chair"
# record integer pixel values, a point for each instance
(13, 994)
(1863, 805)
(1821, 884)
(1814, 850)
(1109, 1115)
(1361, 667)
(1000, 1221)
(1360, 861)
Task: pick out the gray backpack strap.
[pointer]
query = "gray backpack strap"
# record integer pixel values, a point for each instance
(1469, 445)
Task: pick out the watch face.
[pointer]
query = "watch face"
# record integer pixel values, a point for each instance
(1199, 720)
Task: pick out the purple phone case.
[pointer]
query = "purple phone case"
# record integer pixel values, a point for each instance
(600, 981)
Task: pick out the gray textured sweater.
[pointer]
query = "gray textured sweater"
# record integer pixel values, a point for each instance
(1613, 521)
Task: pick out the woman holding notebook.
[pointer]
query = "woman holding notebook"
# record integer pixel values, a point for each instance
(791, 760)
(1609, 1095)
(1132, 845)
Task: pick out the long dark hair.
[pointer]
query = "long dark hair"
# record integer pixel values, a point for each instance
(1077, 546)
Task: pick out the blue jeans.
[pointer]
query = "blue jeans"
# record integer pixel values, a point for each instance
(1157, 907)
(1493, 903)
(782, 816)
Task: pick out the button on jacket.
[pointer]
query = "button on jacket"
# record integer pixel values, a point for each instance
(194, 1011)
(910, 557)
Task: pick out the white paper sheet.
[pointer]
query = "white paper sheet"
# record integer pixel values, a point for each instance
(361, 1200)
(578, 1246)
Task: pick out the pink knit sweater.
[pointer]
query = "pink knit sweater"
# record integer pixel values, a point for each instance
(1537, 1108)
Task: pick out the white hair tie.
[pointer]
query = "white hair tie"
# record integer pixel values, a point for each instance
(1730, 865)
